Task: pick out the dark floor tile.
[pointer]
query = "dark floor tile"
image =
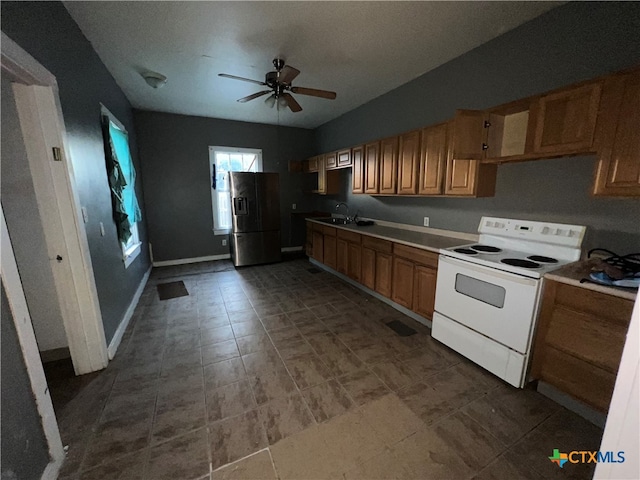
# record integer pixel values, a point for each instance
(363, 386)
(327, 400)
(268, 309)
(284, 417)
(219, 352)
(207, 322)
(178, 418)
(224, 373)
(262, 362)
(243, 316)
(302, 315)
(236, 437)
(307, 370)
(216, 335)
(229, 400)
(395, 374)
(294, 348)
(341, 361)
(129, 467)
(475, 445)
(502, 469)
(250, 327)
(270, 386)
(185, 457)
(254, 343)
(274, 323)
(426, 362)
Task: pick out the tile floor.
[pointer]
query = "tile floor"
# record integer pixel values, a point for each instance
(275, 372)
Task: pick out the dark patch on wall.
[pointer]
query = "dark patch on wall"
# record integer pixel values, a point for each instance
(25, 453)
(47, 32)
(574, 42)
(174, 150)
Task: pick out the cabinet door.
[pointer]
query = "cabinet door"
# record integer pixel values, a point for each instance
(312, 164)
(433, 160)
(322, 175)
(388, 165)
(342, 247)
(354, 261)
(402, 292)
(461, 176)
(618, 137)
(424, 290)
(566, 120)
(368, 268)
(344, 158)
(408, 160)
(384, 273)
(318, 246)
(468, 135)
(330, 251)
(357, 177)
(309, 240)
(372, 168)
(331, 160)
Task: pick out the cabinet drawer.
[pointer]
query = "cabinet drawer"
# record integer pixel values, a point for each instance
(416, 254)
(377, 244)
(331, 231)
(600, 305)
(331, 160)
(349, 236)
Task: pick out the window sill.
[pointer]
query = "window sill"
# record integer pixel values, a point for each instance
(224, 231)
(131, 254)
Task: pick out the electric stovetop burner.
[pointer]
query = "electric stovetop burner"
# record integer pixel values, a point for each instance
(519, 262)
(486, 248)
(466, 251)
(542, 259)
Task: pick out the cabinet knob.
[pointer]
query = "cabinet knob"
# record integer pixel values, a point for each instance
(487, 124)
(485, 146)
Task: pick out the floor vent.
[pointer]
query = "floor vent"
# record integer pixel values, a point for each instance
(400, 328)
(170, 290)
(313, 270)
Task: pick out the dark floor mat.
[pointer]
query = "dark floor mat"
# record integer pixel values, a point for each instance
(172, 290)
(400, 328)
(313, 270)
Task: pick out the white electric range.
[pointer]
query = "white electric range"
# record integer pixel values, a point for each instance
(488, 293)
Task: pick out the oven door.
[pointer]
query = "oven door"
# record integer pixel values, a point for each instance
(497, 304)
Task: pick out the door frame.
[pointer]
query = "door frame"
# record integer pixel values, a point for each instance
(42, 125)
(30, 353)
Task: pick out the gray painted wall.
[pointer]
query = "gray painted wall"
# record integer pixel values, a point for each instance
(25, 228)
(25, 453)
(574, 42)
(174, 150)
(49, 34)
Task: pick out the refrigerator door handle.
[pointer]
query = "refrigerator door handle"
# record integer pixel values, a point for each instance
(213, 177)
(240, 206)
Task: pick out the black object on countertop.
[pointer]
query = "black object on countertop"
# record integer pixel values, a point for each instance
(364, 223)
(615, 270)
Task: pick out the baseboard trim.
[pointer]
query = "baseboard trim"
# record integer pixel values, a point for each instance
(52, 469)
(570, 403)
(117, 337)
(424, 321)
(185, 261)
(291, 249)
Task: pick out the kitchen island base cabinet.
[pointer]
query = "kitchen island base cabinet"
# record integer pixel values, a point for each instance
(579, 342)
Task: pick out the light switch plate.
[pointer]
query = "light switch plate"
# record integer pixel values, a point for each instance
(102, 229)
(426, 221)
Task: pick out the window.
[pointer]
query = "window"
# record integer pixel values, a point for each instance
(122, 181)
(223, 160)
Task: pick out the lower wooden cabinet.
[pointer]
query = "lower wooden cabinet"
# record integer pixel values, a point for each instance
(384, 274)
(317, 246)
(354, 262)
(368, 270)
(330, 251)
(342, 247)
(424, 290)
(579, 342)
(402, 292)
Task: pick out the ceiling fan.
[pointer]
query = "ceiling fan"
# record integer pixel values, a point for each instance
(279, 83)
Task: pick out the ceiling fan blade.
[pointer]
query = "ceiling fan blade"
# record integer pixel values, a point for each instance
(288, 74)
(255, 95)
(314, 92)
(233, 77)
(291, 102)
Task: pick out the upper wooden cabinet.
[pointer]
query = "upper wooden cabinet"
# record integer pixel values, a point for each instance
(618, 137)
(372, 168)
(357, 177)
(327, 182)
(408, 161)
(566, 120)
(311, 165)
(344, 158)
(331, 160)
(433, 159)
(467, 176)
(388, 165)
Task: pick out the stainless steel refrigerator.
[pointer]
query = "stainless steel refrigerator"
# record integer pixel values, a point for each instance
(255, 210)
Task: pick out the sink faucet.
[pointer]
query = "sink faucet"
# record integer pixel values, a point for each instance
(347, 207)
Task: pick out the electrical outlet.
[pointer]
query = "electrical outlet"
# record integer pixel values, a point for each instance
(293, 207)
(224, 242)
(426, 221)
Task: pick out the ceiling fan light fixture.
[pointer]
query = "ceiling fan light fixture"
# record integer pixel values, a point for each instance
(282, 102)
(154, 79)
(270, 100)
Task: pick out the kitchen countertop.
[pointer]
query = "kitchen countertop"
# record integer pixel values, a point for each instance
(574, 272)
(412, 236)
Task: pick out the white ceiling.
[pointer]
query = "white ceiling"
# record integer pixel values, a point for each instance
(360, 50)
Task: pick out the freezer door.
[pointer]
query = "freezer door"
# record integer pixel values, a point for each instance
(268, 200)
(244, 207)
(255, 247)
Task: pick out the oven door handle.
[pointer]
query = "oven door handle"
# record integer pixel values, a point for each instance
(493, 272)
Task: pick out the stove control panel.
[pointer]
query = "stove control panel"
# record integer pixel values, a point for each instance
(543, 232)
